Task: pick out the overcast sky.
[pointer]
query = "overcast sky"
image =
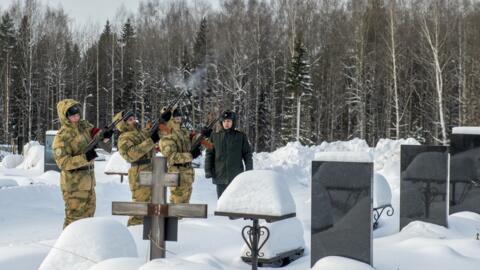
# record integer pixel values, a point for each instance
(98, 11)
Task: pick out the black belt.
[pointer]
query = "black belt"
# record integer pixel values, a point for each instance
(189, 164)
(84, 168)
(141, 162)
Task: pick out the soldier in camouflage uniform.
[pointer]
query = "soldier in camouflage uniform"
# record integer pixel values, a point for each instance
(77, 180)
(136, 146)
(176, 147)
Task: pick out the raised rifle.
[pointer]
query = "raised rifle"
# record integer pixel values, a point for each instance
(200, 140)
(99, 136)
(172, 104)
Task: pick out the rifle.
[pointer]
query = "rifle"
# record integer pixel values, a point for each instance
(172, 104)
(99, 136)
(200, 140)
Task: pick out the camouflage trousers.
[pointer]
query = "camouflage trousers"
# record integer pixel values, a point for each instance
(78, 204)
(182, 193)
(139, 194)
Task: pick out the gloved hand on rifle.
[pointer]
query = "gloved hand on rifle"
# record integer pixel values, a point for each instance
(196, 152)
(206, 132)
(91, 154)
(155, 137)
(107, 134)
(166, 115)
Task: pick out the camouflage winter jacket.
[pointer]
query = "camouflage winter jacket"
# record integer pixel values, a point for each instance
(176, 148)
(136, 147)
(77, 173)
(134, 144)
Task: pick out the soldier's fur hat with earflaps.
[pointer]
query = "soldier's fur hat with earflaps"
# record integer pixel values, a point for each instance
(229, 114)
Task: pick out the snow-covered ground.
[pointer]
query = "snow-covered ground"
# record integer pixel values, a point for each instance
(31, 219)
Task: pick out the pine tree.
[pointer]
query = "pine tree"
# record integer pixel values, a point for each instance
(7, 44)
(103, 90)
(299, 87)
(200, 70)
(127, 70)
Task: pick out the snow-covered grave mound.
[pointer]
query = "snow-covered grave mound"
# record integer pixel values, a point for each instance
(257, 192)
(117, 164)
(178, 264)
(285, 235)
(382, 195)
(336, 263)
(49, 178)
(11, 161)
(119, 264)
(466, 130)
(422, 245)
(89, 241)
(6, 182)
(33, 156)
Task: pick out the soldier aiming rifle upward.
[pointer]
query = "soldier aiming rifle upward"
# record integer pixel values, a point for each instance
(74, 152)
(177, 148)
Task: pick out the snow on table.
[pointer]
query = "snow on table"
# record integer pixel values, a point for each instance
(88, 241)
(337, 263)
(257, 192)
(285, 235)
(117, 165)
(466, 130)
(382, 195)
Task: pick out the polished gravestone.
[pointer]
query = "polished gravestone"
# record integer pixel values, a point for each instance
(341, 210)
(424, 184)
(464, 173)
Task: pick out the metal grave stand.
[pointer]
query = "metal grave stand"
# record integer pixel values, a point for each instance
(251, 234)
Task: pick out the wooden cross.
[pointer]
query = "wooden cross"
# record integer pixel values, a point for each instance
(158, 209)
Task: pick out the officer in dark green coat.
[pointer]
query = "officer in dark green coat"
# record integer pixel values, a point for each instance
(230, 156)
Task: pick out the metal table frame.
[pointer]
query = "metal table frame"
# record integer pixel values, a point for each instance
(251, 234)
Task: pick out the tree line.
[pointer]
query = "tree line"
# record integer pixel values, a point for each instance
(369, 69)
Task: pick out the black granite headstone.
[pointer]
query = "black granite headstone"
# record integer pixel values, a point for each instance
(465, 173)
(341, 210)
(49, 163)
(423, 185)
